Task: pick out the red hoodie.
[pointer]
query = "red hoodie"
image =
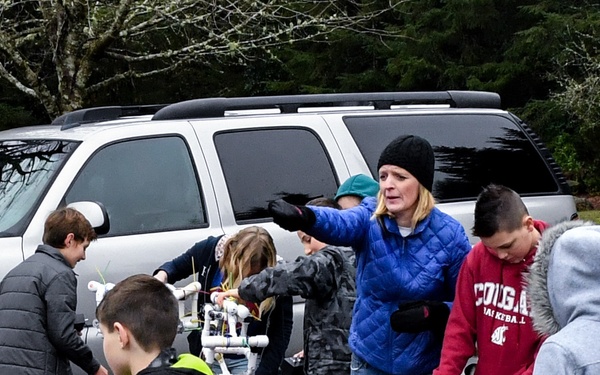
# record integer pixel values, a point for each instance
(490, 309)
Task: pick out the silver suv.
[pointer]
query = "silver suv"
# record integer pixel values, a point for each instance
(170, 176)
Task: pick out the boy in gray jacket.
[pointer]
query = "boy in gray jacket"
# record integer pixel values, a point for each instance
(564, 288)
(38, 300)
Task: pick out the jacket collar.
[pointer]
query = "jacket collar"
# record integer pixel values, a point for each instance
(52, 252)
(391, 225)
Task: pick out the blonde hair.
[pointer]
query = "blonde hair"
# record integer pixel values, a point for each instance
(425, 203)
(249, 249)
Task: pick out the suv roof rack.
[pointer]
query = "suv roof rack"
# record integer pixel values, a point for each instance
(80, 116)
(216, 107)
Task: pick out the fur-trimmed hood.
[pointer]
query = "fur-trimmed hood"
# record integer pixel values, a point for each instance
(563, 282)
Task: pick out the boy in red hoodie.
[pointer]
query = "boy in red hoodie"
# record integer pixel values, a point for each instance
(490, 316)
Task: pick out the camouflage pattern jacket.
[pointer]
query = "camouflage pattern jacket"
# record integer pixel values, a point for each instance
(326, 281)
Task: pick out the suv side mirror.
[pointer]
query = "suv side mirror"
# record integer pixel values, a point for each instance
(95, 213)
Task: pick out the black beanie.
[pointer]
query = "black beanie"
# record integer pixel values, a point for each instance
(412, 153)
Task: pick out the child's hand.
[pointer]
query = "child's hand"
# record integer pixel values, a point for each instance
(102, 371)
(221, 296)
(300, 354)
(162, 276)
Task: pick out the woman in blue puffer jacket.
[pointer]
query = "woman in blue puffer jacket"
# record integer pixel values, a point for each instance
(408, 256)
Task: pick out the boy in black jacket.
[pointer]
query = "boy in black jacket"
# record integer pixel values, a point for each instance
(138, 319)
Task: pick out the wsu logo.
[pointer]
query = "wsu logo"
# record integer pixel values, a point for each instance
(498, 337)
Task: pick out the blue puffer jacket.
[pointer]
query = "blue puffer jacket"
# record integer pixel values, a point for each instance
(392, 269)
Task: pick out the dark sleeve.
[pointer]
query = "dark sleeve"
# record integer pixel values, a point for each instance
(61, 302)
(310, 277)
(192, 261)
(279, 330)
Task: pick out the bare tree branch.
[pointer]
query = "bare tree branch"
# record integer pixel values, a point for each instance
(578, 75)
(149, 37)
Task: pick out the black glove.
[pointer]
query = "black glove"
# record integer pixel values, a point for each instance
(419, 316)
(291, 217)
(79, 322)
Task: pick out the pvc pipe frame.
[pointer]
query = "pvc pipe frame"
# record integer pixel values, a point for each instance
(214, 346)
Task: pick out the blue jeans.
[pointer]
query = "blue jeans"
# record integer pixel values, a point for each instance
(236, 366)
(360, 367)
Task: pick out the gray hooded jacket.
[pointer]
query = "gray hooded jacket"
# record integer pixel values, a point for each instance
(37, 314)
(564, 287)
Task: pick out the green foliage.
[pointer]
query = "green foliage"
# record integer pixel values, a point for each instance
(546, 118)
(566, 156)
(12, 117)
(577, 71)
(574, 151)
(464, 44)
(541, 56)
(552, 124)
(345, 62)
(593, 215)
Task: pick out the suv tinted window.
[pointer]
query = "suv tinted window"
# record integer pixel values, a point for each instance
(146, 185)
(471, 151)
(267, 164)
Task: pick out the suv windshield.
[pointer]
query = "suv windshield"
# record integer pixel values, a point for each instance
(28, 167)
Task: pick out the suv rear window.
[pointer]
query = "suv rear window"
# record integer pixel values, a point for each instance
(266, 164)
(471, 151)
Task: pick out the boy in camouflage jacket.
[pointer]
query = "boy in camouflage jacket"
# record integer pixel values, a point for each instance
(325, 278)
